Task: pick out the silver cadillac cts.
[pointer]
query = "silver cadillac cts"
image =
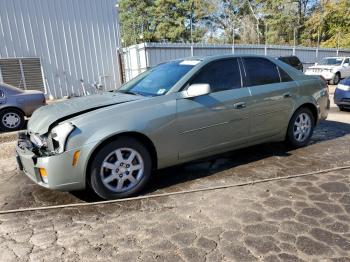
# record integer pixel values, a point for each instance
(173, 113)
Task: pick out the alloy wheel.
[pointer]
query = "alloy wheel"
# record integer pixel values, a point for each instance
(302, 127)
(11, 120)
(122, 170)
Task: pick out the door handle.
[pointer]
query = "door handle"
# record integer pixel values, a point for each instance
(239, 105)
(287, 95)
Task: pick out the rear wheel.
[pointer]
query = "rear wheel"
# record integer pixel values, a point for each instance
(335, 79)
(301, 128)
(121, 169)
(11, 119)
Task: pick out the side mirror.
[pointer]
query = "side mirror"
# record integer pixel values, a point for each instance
(197, 90)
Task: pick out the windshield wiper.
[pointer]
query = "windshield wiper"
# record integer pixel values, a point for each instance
(130, 93)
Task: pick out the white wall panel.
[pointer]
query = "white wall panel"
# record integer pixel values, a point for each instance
(75, 39)
(155, 53)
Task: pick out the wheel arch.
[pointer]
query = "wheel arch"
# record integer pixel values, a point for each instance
(13, 107)
(142, 138)
(311, 107)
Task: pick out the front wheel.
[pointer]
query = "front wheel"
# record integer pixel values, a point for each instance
(301, 127)
(120, 169)
(11, 120)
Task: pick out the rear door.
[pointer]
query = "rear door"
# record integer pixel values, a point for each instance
(272, 91)
(218, 120)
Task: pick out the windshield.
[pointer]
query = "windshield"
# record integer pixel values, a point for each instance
(331, 61)
(158, 80)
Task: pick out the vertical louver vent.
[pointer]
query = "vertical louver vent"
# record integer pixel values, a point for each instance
(24, 73)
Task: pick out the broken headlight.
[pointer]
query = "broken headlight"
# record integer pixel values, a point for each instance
(59, 135)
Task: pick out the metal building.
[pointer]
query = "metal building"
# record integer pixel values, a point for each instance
(54, 44)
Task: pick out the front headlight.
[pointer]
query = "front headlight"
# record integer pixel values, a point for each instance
(343, 87)
(60, 134)
(38, 141)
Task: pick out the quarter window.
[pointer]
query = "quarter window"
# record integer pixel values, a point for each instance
(261, 71)
(220, 75)
(284, 76)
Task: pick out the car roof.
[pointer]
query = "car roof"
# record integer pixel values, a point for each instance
(11, 88)
(217, 57)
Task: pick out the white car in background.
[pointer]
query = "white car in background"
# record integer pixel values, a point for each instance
(331, 68)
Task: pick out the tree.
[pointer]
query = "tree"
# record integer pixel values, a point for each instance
(331, 22)
(136, 19)
(163, 20)
(173, 19)
(217, 21)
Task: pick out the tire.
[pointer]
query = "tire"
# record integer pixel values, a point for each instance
(11, 119)
(341, 108)
(301, 138)
(336, 79)
(113, 175)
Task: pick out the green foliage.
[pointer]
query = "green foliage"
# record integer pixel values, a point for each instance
(163, 20)
(250, 21)
(331, 22)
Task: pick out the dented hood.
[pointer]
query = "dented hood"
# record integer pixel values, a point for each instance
(45, 117)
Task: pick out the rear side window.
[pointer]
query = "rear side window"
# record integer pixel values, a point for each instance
(294, 61)
(261, 71)
(285, 59)
(220, 75)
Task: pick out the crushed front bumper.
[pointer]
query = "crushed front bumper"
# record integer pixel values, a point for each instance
(61, 174)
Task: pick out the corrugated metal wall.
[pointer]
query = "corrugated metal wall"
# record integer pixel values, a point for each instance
(75, 39)
(137, 58)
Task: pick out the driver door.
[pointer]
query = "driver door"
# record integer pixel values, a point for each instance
(212, 122)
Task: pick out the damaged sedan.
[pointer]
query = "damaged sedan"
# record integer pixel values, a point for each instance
(176, 112)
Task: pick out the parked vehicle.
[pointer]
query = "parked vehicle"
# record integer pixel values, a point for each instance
(16, 104)
(173, 113)
(342, 94)
(333, 69)
(292, 61)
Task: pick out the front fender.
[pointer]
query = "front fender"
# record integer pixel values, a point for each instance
(154, 118)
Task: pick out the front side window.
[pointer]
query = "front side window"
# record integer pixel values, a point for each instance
(346, 61)
(160, 79)
(220, 75)
(261, 71)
